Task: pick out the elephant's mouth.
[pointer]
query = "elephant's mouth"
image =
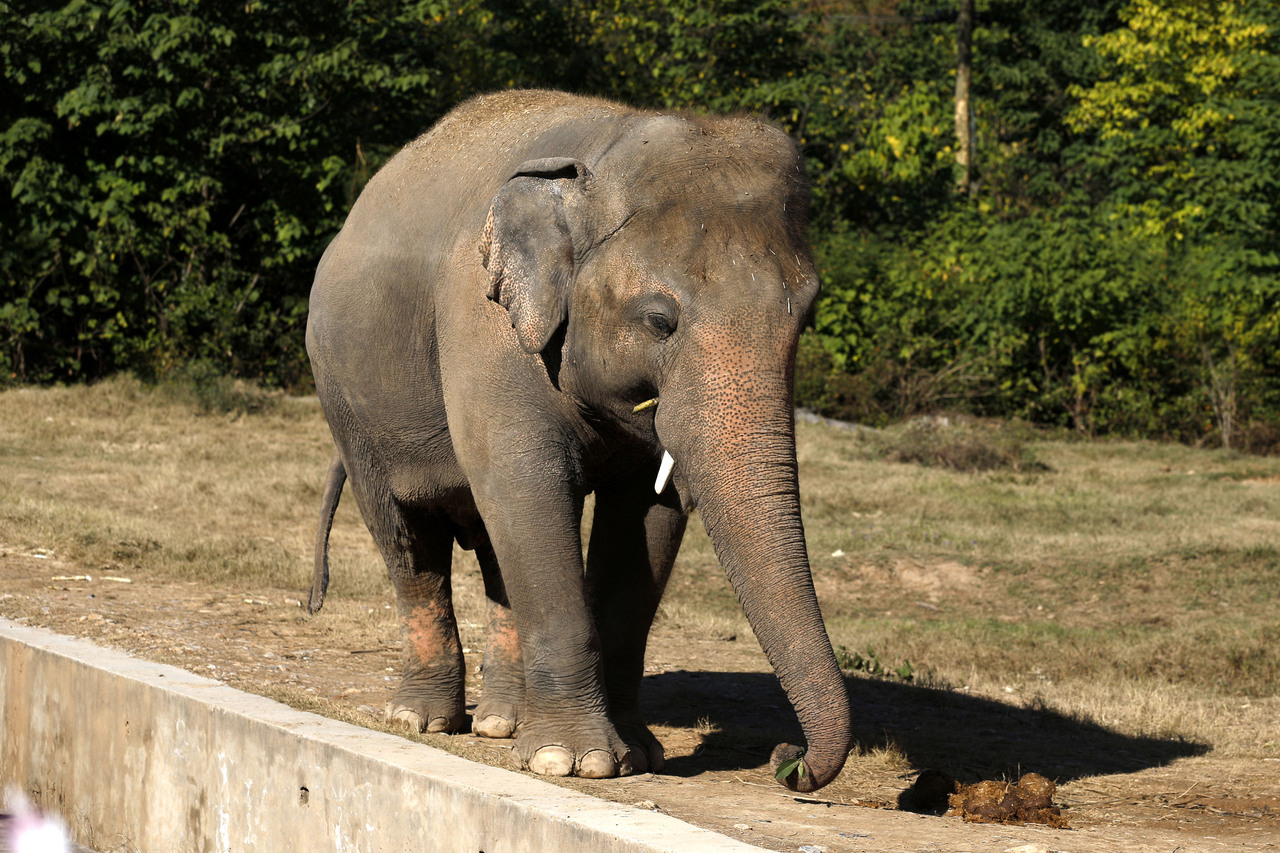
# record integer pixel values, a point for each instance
(668, 461)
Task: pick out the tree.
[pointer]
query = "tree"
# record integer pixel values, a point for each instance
(1188, 104)
(965, 147)
(172, 173)
(1190, 112)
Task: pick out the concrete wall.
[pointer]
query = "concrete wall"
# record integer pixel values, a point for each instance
(148, 757)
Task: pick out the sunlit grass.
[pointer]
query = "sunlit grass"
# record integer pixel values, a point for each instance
(1133, 584)
(112, 475)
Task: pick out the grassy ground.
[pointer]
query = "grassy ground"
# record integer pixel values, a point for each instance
(1101, 563)
(1129, 586)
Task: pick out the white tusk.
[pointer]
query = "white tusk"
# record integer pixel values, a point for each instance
(664, 472)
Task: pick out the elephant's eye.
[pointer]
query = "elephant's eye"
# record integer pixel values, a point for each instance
(660, 324)
(659, 313)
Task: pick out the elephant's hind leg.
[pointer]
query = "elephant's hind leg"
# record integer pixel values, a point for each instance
(502, 703)
(418, 551)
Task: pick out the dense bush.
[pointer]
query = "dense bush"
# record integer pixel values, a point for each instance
(1117, 273)
(172, 173)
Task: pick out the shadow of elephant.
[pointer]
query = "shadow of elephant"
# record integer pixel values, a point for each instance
(964, 736)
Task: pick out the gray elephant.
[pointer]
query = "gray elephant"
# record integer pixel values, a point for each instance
(547, 296)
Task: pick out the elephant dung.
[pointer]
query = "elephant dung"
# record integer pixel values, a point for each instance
(1029, 801)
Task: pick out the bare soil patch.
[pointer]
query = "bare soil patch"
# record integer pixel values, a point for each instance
(718, 710)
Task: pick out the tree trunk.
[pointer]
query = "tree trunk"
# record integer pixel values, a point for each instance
(964, 106)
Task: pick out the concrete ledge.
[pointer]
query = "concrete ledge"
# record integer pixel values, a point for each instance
(148, 757)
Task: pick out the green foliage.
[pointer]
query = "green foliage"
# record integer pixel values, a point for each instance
(172, 177)
(1180, 102)
(658, 53)
(175, 172)
(870, 664)
(790, 766)
(1117, 272)
(1189, 106)
(675, 53)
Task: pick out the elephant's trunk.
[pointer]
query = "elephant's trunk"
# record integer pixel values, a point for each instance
(741, 470)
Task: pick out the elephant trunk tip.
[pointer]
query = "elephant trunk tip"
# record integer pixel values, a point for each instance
(803, 774)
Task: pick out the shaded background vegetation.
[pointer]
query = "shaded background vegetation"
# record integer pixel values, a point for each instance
(170, 173)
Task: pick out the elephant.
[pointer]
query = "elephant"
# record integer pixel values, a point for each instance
(548, 296)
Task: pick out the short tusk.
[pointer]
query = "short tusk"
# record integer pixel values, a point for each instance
(647, 404)
(664, 472)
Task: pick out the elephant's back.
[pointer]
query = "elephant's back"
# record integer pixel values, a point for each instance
(461, 162)
(428, 204)
(426, 208)
(499, 129)
(415, 230)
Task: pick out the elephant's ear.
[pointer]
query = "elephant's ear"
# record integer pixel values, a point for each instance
(529, 246)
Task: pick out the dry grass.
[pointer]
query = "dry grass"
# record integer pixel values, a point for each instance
(115, 476)
(1131, 585)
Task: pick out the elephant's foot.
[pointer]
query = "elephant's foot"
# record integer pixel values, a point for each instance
(430, 697)
(420, 714)
(574, 751)
(559, 761)
(495, 719)
(647, 754)
(417, 722)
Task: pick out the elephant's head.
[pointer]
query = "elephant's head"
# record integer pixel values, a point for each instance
(674, 267)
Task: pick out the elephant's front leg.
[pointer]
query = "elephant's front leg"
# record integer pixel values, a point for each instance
(565, 729)
(635, 536)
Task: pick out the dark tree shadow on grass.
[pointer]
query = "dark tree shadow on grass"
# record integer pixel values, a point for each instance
(968, 737)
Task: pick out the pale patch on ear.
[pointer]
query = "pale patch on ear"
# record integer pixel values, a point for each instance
(528, 250)
(486, 246)
(528, 246)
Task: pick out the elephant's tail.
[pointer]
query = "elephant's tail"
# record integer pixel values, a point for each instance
(332, 494)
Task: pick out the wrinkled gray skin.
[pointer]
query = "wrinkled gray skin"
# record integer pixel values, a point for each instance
(503, 295)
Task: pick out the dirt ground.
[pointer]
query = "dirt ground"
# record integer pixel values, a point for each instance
(718, 710)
